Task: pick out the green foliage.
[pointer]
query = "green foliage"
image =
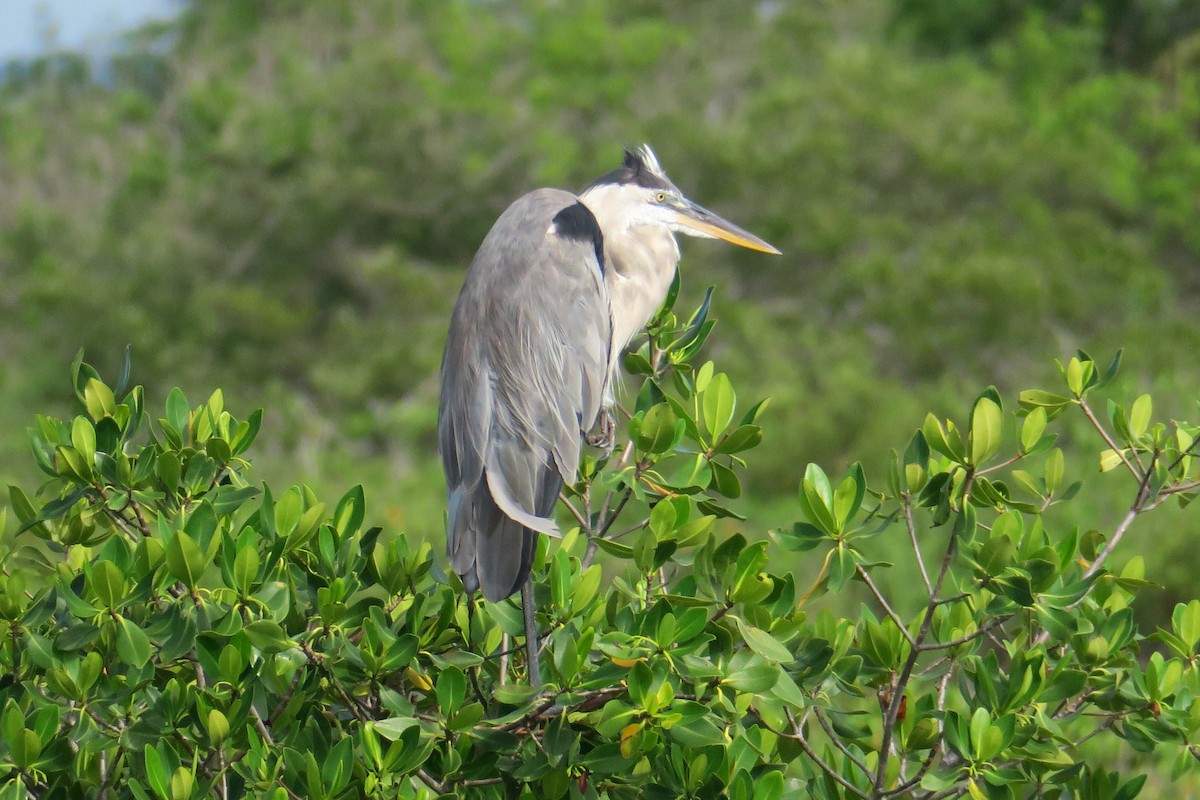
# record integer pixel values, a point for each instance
(281, 198)
(299, 188)
(1134, 33)
(171, 628)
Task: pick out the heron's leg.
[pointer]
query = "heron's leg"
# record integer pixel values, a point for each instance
(532, 640)
(604, 434)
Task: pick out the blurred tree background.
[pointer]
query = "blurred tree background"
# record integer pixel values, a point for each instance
(282, 198)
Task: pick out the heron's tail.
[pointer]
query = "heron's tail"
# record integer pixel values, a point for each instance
(489, 549)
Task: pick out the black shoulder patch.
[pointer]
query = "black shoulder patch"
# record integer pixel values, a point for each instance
(578, 222)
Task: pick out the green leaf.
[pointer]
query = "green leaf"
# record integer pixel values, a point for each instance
(981, 723)
(133, 646)
(769, 786)
(245, 568)
(338, 766)
(1110, 460)
(986, 430)
(802, 537)
(217, 726)
(179, 413)
(288, 510)
(451, 689)
(725, 481)
(848, 497)
(81, 373)
(702, 732)
(742, 438)
(751, 416)
(89, 670)
(268, 636)
(1185, 621)
(183, 783)
(98, 399)
(348, 516)
(966, 524)
(816, 499)
(560, 580)
(156, 773)
(25, 749)
(1032, 398)
(185, 560)
(1139, 415)
(218, 450)
(1131, 788)
(1032, 428)
(754, 678)
(1075, 376)
(586, 588)
(942, 438)
(762, 642)
(696, 329)
(658, 428)
(83, 438)
(246, 432)
(107, 583)
(71, 464)
(718, 404)
(126, 368)
(168, 469)
(201, 525)
(1054, 468)
(515, 694)
(12, 723)
(841, 568)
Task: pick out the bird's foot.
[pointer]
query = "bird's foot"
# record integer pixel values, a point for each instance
(604, 435)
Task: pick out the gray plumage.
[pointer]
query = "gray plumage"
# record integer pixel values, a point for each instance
(559, 286)
(522, 376)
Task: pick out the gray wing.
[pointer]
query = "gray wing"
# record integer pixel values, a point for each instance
(522, 377)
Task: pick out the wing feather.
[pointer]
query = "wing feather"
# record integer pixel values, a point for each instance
(522, 377)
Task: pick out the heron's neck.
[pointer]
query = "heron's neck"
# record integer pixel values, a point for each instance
(640, 266)
(640, 261)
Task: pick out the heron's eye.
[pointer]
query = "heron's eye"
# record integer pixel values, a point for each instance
(660, 197)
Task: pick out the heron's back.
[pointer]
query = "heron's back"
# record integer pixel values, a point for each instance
(522, 376)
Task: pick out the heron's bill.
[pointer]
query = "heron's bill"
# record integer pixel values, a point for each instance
(706, 223)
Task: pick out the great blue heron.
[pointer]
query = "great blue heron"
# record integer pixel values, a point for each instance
(559, 287)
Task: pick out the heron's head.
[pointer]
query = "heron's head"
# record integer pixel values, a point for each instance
(640, 193)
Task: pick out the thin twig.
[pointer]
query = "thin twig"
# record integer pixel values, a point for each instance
(798, 736)
(1135, 471)
(261, 726)
(912, 534)
(505, 644)
(1173, 490)
(108, 726)
(575, 512)
(866, 578)
(104, 775)
(287, 698)
(980, 631)
(1008, 462)
(901, 683)
(1101, 728)
(431, 782)
(1122, 528)
(837, 742)
(915, 780)
(635, 527)
(1187, 451)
